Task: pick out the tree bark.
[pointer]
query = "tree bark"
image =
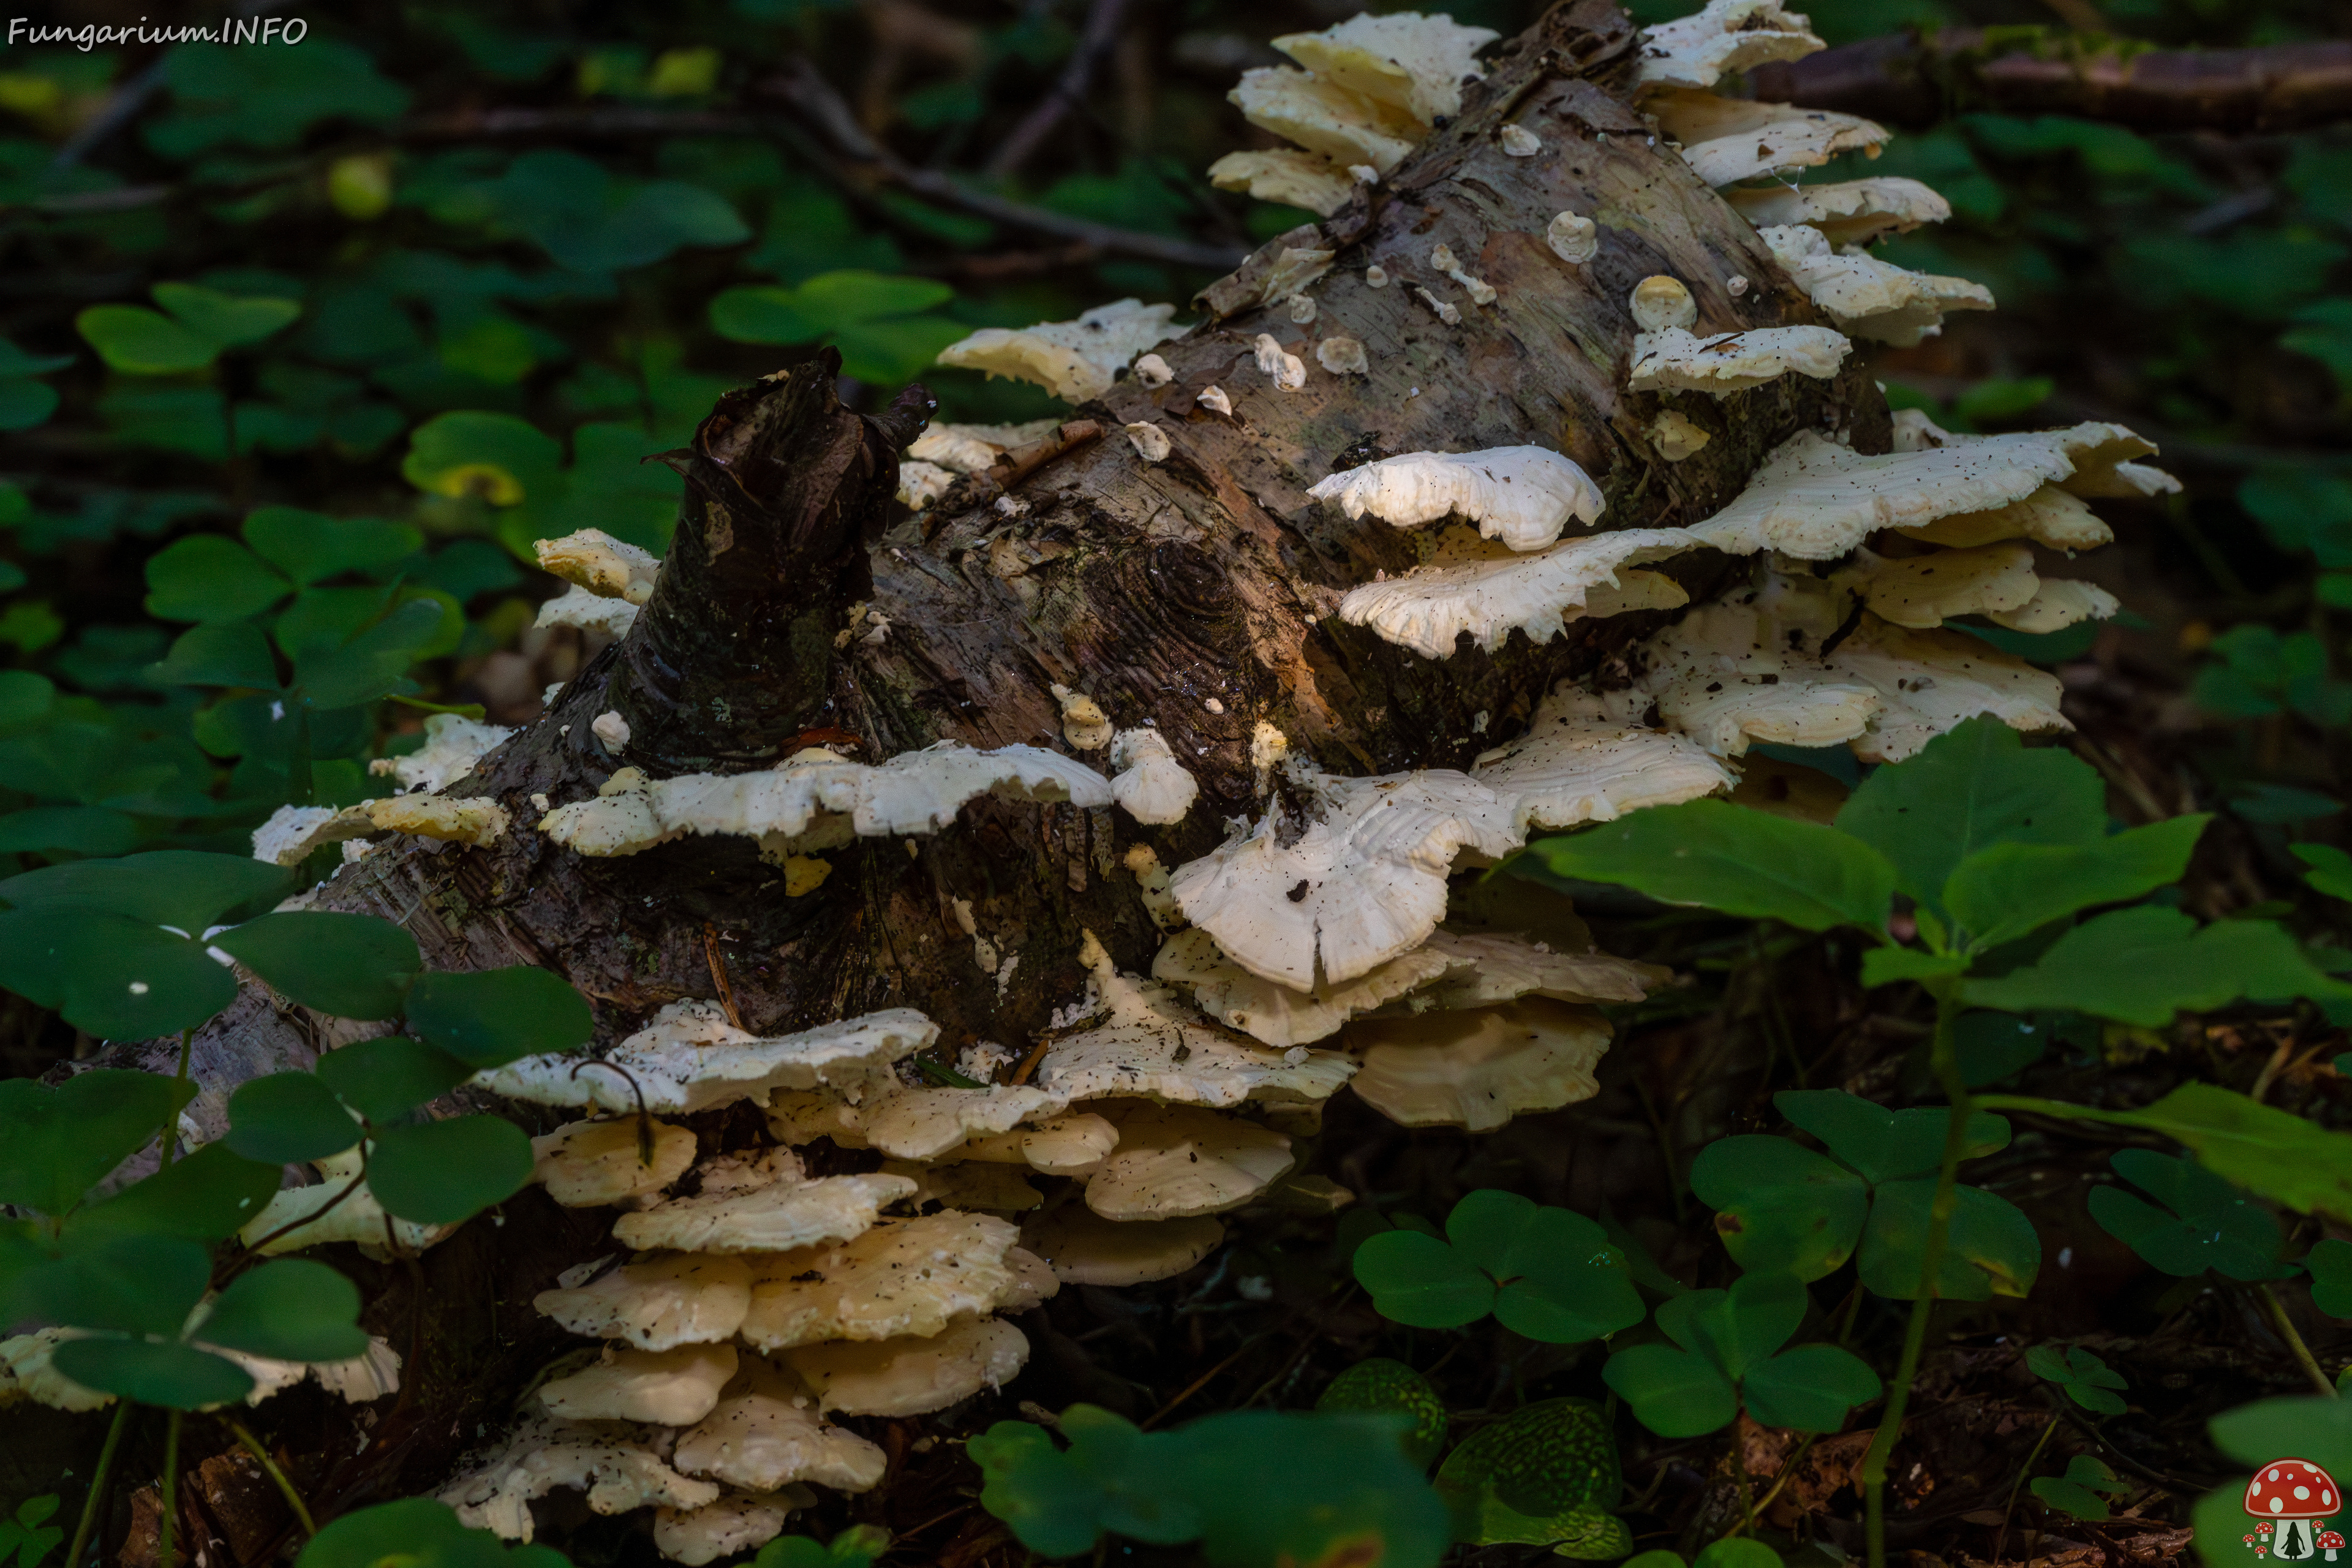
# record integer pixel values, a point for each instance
(1196, 594)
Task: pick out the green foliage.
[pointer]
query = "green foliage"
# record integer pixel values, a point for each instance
(29, 1536)
(1256, 1487)
(2258, 673)
(2203, 1221)
(203, 324)
(1380, 1385)
(1548, 1273)
(1731, 1356)
(2086, 1380)
(884, 326)
(1710, 853)
(2077, 1491)
(418, 1532)
(856, 1547)
(1782, 1207)
(2271, 1153)
(2330, 1266)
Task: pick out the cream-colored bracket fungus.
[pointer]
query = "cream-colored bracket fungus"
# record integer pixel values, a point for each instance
(1072, 360)
(1523, 495)
(1151, 785)
(1724, 38)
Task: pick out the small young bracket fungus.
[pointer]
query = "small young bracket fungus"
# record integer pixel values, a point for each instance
(678, 1299)
(2058, 603)
(766, 1219)
(1083, 723)
(1588, 758)
(1149, 441)
(1152, 373)
(611, 729)
(691, 1058)
(1481, 293)
(578, 608)
(738, 1522)
(909, 1123)
(1072, 360)
(914, 1376)
(1214, 400)
(27, 1372)
(817, 800)
(453, 744)
(1404, 59)
(1518, 141)
(1724, 38)
(1575, 240)
(1932, 681)
(1324, 117)
(1675, 436)
(605, 566)
(1146, 1042)
(1084, 1249)
(1363, 882)
(907, 1279)
(1923, 591)
(765, 1434)
(1849, 211)
(668, 1388)
(1675, 361)
(1659, 302)
(1376, 277)
(358, 1218)
(1302, 309)
(1058, 1145)
(1268, 745)
(921, 483)
(1815, 499)
(975, 449)
(1342, 356)
(620, 1468)
(588, 1164)
(1430, 608)
(1151, 785)
(1523, 495)
(1868, 298)
(1727, 140)
(1293, 272)
(1180, 1162)
(1448, 313)
(1477, 1069)
(1287, 371)
(1287, 176)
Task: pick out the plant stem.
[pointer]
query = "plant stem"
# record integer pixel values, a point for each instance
(170, 1490)
(252, 1444)
(1787, 1469)
(2285, 1326)
(97, 1499)
(171, 1136)
(2009, 1510)
(1931, 1262)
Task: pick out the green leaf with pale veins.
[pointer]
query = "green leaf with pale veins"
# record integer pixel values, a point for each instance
(1720, 856)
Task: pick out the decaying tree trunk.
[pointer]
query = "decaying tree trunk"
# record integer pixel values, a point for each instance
(1195, 594)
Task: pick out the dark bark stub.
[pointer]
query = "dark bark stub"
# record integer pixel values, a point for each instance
(732, 657)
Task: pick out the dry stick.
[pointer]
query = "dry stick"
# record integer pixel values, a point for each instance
(1788, 1471)
(1931, 1262)
(2009, 1512)
(252, 1444)
(97, 1499)
(1101, 31)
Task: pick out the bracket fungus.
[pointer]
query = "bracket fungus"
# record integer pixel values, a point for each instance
(1429, 608)
(1057, 1145)
(1342, 356)
(1659, 303)
(908, 1123)
(666, 1388)
(358, 1218)
(775, 1218)
(1180, 1162)
(657, 1303)
(1675, 361)
(975, 449)
(1149, 441)
(1518, 141)
(738, 1522)
(621, 1469)
(453, 744)
(1152, 787)
(1477, 1070)
(1676, 436)
(911, 1376)
(1590, 758)
(578, 608)
(765, 1433)
(1727, 140)
(1083, 723)
(1076, 360)
(907, 1278)
(608, 567)
(1285, 370)
(1404, 60)
(1868, 298)
(1523, 495)
(588, 1164)
(1848, 212)
(1723, 38)
(1084, 1249)
(1575, 240)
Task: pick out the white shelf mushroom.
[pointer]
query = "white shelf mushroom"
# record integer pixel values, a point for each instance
(1850, 212)
(1404, 59)
(578, 608)
(1076, 360)
(608, 567)
(1932, 681)
(28, 1371)
(968, 1185)
(587, 1164)
(620, 1468)
(911, 1377)
(1180, 1162)
(1429, 608)
(901, 1279)
(1675, 361)
(2056, 605)
(1726, 140)
(1058, 1145)
(691, 1058)
(1523, 495)
(661, 1303)
(1152, 787)
(775, 1218)
(453, 744)
(921, 483)
(765, 1434)
(665, 1388)
(1575, 240)
(975, 449)
(2104, 475)
(1588, 758)
(358, 1219)
(1724, 38)
(1731, 674)
(908, 1123)
(735, 1523)
(1868, 298)
(1285, 370)
(1477, 1069)
(1084, 1249)
(1324, 117)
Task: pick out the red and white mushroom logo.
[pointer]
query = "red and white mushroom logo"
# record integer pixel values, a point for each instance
(2296, 1494)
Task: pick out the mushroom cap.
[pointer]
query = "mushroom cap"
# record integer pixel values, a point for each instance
(576, 606)
(668, 1388)
(1922, 590)
(921, 483)
(587, 1164)
(1151, 784)
(621, 1468)
(1084, 1249)
(968, 1185)
(1404, 59)
(765, 1433)
(1072, 360)
(1850, 212)
(27, 1372)
(1274, 1014)
(658, 1304)
(1727, 140)
(1672, 360)
(737, 1522)
(901, 1278)
(607, 567)
(1868, 298)
(775, 1218)
(1324, 117)
(1364, 882)
(1588, 758)
(1342, 356)
(908, 1123)
(1933, 681)
(2058, 603)
(2049, 516)
(1428, 608)
(911, 1377)
(1723, 38)
(453, 744)
(2101, 454)
(468, 821)
(2292, 1489)
(1147, 1042)
(1286, 175)
(1815, 499)
(1573, 238)
(1743, 670)
(691, 1058)
(358, 1218)
(1659, 302)
(1178, 1161)
(974, 448)
(1477, 1069)
(1070, 1142)
(1523, 495)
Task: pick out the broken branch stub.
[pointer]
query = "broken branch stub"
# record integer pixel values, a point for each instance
(732, 656)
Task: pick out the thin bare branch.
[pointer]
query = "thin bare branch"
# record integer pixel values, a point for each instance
(1103, 21)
